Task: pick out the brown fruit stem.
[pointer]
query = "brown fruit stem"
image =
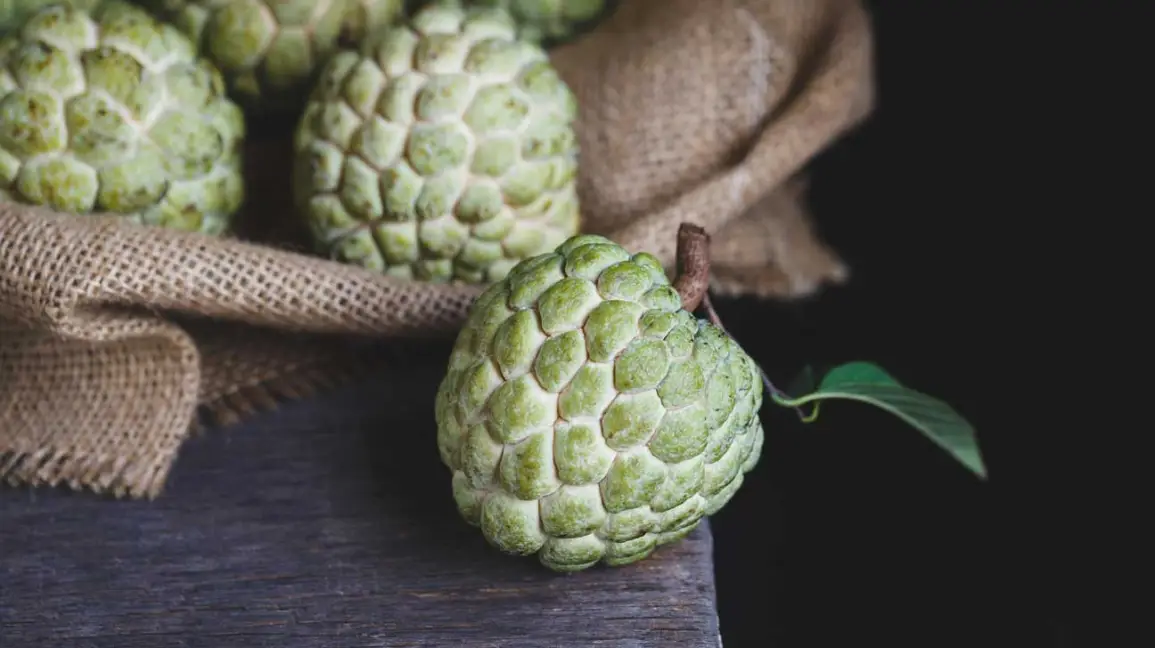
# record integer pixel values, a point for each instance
(693, 282)
(693, 259)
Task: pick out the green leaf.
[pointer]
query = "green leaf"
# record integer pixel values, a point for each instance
(856, 372)
(868, 383)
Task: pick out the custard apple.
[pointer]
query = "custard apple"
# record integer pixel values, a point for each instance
(364, 16)
(269, 50)
(109, 110)
(586, 416)
(442, 150)
(549, 20)
(13, 13)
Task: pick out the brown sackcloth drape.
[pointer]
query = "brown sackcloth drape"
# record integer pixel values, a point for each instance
(114, 338)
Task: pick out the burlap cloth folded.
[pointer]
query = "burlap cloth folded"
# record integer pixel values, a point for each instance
(115, 338)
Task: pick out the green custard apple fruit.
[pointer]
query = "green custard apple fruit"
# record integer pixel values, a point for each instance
(442, 150)
(110, 110)
(269, 50)
(13, 13)
(549, 20)
(587, 417)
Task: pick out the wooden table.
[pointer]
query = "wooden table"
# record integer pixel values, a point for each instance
(329, 523)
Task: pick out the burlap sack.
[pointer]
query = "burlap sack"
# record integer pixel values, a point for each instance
(113, 338)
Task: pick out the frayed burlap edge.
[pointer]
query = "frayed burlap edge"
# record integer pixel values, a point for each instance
(141, 472)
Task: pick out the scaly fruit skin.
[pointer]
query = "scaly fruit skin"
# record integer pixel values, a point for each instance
(112, 111)
(587, 417)
(443, 150)
(363, 17)
(548, 20)
(13, 13)
(269, 50)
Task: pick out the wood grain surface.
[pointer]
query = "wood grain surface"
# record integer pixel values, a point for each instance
(328, 522)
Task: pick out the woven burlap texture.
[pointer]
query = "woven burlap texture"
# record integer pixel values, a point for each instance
(114, 337)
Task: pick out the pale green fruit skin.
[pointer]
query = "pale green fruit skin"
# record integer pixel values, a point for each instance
(443, 150)
(13, 13)
(269, 50)
(586, 417)
(549, 20)
(112, 111)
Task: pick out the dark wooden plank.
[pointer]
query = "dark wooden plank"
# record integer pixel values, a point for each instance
(326, 523)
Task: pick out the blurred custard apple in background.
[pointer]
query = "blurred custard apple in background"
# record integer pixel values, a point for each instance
(364, 16)
(110, 110)
(549, 20)
(443, 149)
(269, 50)
(13, 13)
(587, 417)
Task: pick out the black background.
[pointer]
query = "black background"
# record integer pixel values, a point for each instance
(855, 528)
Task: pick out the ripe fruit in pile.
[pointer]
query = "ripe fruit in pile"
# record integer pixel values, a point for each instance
(13, 13)
(435, 146)
(442, 149)
(550, 20)
(110, 110)
(269, 50)
(587, 417)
